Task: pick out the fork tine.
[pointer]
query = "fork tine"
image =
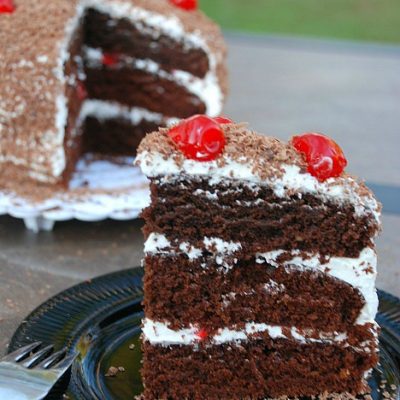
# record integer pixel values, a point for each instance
(37, 357)
(65, 363)
(21, 353)
(52, 359)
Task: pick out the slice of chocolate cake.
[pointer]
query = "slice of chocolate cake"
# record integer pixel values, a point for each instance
(259, 264)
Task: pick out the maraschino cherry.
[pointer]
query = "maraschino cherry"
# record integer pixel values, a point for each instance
(188, 5)
(7, 6)
(110, 59)
(202, 334)
(200, 138)
(324, 157)
(223, 120)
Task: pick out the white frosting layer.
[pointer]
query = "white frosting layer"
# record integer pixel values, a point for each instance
(159, 333)
(337, 190)
(207, 89)
(358, 272)
(103, 110)
(158, 244)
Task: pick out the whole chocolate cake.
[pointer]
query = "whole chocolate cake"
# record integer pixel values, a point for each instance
(93, 76)
(260, 266)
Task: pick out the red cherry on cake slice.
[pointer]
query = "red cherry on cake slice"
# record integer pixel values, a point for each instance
(199, 138)
(223, 120)
(323, 155)
(188, 5)
(202, 334)
(110, 59)
(6, 6)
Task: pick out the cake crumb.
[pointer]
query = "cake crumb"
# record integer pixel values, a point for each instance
(131, 346)
(113, 371)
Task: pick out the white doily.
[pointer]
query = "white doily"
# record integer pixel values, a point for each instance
(112, 189)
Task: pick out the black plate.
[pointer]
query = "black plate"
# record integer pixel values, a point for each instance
(101, 319)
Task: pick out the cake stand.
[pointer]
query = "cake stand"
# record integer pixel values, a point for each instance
(99, 189)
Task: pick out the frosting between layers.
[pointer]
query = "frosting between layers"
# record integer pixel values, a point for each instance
(104, 110)
(207, 89)
(287, 180)
(358, 272)
(159, 333)
(157, 243)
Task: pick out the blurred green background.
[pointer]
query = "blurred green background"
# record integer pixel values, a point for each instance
(372, 20)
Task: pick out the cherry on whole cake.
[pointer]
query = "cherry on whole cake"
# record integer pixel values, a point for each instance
(188, 5)
(7, 6)
(259, 275)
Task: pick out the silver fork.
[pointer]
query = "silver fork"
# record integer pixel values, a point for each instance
(31, 372)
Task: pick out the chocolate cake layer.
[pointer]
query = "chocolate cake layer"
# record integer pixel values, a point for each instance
(260, 221)
(115, 136)
(134, 87)
(122, 37)
(254, 370)
(182, 292)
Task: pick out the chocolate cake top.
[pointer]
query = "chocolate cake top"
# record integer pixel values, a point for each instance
(34, 44)
(254, 158)
(264, 154)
